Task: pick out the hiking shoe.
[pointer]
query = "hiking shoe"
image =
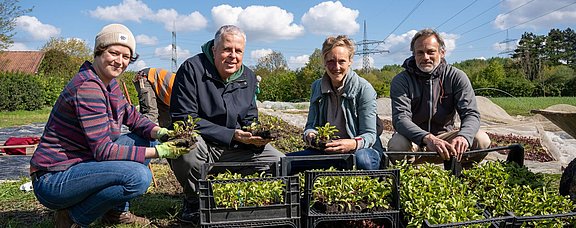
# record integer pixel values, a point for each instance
(62, 220)
(190, 212)
(123, 217)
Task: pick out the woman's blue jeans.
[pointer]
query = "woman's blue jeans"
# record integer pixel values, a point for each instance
(366, 159)
(89, 189)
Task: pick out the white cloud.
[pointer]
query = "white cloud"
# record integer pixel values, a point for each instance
(257, 54)
(533, 10)
(295, 62)
(175, 22)
(260, 23)
(165, 53)
(399, 45)
(396, 43)
(138, 65)
(449, 41)
(136, 10)
(146, 40)
(225, 15)
(18, 47)
(504, 47)
(36, 28)
(331, 18)
(480, 58)
(128, 10)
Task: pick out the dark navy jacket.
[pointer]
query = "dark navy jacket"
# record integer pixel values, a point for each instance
(200, 92)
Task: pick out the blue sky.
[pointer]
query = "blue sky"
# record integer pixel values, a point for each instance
(471, 28)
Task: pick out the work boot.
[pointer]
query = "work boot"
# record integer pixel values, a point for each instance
(190, 212)
(123, 217)
(62, 220)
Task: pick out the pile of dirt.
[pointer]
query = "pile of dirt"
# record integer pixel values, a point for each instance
(490, 112)
(562, 108)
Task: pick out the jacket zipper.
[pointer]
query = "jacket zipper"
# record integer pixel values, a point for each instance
(431, 103)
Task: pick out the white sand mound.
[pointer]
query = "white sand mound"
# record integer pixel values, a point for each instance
(562, 108)
(492, 112)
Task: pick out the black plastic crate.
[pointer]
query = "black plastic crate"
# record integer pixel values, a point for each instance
(314, 217)
(519, 220)
(341, 161)
(260, 223)
(282, 214)
(515, 154)
(496, 222)
(244, 168)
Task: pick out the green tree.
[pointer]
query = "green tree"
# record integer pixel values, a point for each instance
(530, 52)
(516, 84)
(272, 62)
(555, 49)
(306, 75)
(315, 66)
(570, 47)
(554, 80)
(64, 56)
(57, 62)
(472, 67)
(9, 11)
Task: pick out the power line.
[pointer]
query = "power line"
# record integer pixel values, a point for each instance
(480, 14)
(507, 41)
(520, 23)
(366, 51)
(493, 20)
(456, 14)
(405, 18)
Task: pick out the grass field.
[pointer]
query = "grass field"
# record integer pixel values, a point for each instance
(522, 105)
(18, 118)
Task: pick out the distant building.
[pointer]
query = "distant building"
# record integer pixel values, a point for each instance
(21, 61)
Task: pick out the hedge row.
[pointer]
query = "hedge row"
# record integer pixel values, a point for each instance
(19, 91)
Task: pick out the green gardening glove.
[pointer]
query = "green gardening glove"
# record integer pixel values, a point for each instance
(170, 150)
(163, 134)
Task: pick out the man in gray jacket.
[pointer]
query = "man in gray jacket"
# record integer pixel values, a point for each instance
(425, 98)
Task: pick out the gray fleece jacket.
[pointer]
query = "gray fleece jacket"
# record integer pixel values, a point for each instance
(424, 103)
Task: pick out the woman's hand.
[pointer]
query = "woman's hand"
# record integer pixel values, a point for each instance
(341, 146)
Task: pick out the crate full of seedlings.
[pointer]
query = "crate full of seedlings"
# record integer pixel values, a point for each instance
(229, 199)
(292, 165)
(357, 198)
(490, 194)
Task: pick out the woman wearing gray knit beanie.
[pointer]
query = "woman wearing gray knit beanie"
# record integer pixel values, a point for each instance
(84, 168)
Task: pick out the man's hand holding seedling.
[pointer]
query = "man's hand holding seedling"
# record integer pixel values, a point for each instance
(247, 138)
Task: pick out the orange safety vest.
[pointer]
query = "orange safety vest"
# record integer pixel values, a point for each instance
(162, 82)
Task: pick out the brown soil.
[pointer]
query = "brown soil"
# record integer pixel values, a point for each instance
(266, 134)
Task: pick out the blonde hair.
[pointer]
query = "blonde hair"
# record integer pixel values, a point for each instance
(339, 41)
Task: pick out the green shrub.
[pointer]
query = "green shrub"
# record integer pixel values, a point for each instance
(127, 77)
(52, 86)
(20, 91)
